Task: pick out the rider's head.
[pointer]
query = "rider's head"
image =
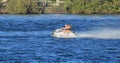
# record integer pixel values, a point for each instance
(68, 26)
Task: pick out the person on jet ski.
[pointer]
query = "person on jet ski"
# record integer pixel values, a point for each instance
(67, 28)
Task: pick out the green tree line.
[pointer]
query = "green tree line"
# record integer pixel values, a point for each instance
(71, 6)
(93, 6)
(22, 7)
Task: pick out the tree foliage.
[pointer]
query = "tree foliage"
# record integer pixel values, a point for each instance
(71, 6)
(22, 7)
(93, 6)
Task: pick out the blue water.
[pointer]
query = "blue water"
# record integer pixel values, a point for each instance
(27, 39)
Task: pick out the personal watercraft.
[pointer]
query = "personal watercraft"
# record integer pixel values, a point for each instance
(60, 34)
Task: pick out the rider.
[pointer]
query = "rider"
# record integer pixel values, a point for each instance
(67, 28)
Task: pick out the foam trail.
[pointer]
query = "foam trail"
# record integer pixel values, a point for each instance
(104, 34)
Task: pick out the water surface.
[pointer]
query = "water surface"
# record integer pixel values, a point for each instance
(27, 39)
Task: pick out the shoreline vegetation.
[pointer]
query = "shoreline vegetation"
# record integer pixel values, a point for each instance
(59, 6)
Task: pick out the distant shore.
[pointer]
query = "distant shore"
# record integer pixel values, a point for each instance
(59, 7)
(61, 13)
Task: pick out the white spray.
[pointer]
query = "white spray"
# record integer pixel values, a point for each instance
(102, 33)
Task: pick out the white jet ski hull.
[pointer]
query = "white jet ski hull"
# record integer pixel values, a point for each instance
(59, 34)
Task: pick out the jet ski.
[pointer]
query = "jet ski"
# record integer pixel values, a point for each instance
(60, 34)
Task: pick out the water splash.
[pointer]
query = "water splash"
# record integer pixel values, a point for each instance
(103, 33)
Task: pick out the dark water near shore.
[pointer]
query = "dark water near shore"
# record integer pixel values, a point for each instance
(27, 39)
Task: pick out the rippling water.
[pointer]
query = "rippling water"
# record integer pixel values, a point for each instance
(27, 39)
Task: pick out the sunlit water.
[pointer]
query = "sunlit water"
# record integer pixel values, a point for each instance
(27, 39)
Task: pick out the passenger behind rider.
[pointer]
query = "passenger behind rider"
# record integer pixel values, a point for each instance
(67, 28)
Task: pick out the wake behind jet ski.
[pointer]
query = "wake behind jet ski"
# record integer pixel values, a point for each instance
(64, 32)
